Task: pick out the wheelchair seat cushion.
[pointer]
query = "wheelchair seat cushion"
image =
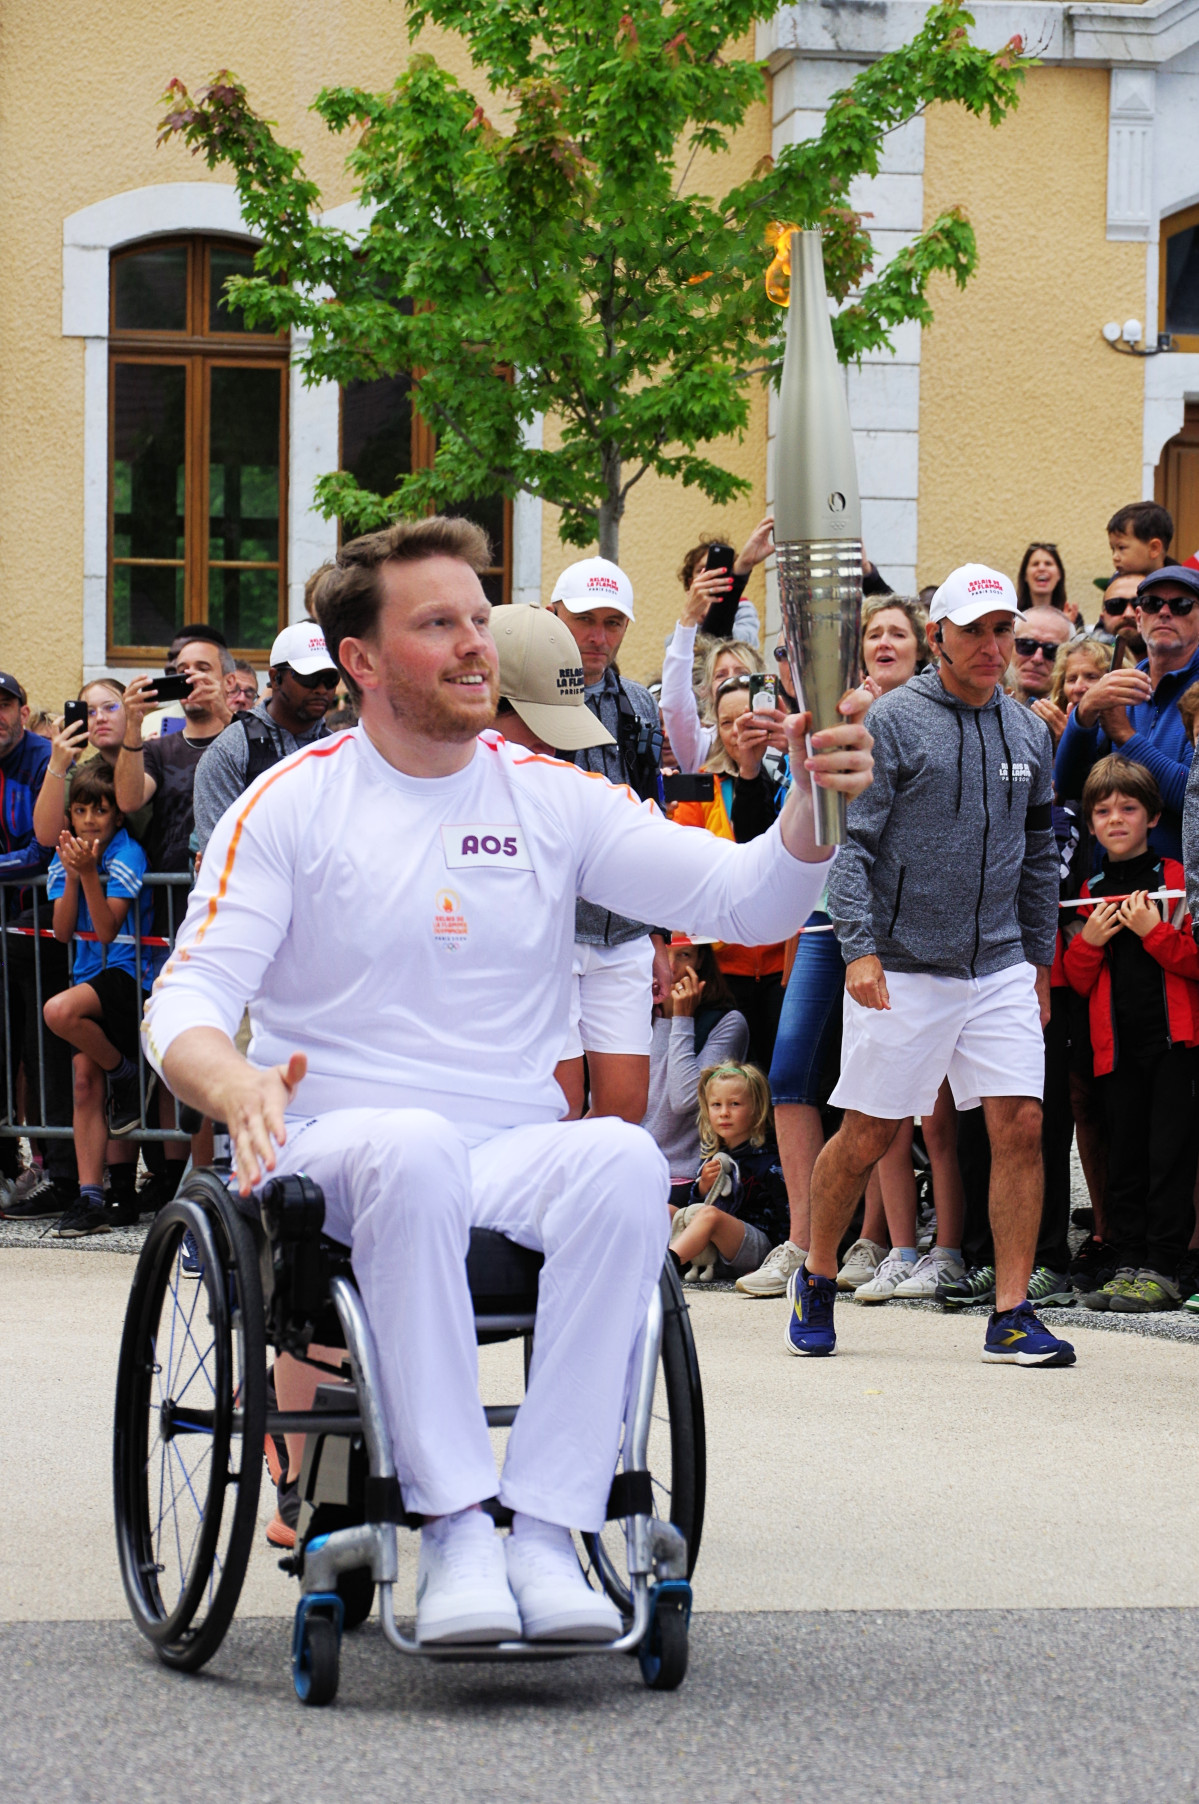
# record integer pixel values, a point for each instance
(502, 1276)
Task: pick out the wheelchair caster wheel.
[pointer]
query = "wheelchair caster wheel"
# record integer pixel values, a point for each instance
(316, 1653)
(663, 1653)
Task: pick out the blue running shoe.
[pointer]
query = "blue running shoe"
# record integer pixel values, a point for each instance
(192, 1264)
(1019, 1338)
(810, 1318)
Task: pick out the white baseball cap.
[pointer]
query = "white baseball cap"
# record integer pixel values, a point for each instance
(594, 582)
(302, 645)
(971, 591)
(542, 678)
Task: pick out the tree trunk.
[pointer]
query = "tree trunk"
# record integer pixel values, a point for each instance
(609, 532)
(612, 507)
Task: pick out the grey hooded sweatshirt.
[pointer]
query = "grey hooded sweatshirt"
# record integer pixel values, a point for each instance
(950, 867)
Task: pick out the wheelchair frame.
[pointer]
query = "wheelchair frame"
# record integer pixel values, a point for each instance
(277, 1285)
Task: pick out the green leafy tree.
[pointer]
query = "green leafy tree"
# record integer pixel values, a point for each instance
(568, 243)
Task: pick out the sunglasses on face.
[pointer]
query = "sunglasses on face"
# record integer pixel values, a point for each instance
(731, 685)
(1177, 604)
(1028, 648)
(1119, 604)
(320, 679)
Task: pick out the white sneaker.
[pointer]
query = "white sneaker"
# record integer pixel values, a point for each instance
(935, 1268)
(770, 1279)
(861, 1262)
(462, 1590)
(556, 1603)
(886, 1280)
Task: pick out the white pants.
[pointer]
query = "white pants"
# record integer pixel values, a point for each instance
(611, 999)
(983, 1033)
(403, 1188)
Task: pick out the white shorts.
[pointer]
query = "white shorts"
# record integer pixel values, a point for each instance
(611, 999)
(983, 1033)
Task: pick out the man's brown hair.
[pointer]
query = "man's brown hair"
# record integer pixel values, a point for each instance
(348, 597)
(1114, 776)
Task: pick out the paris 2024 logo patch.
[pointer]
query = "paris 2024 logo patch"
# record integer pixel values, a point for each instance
(450, 930)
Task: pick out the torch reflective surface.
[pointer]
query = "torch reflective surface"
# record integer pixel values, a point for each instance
(817, 513)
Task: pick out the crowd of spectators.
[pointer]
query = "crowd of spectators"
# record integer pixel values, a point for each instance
(122, 785)
(728, 1054)
(1120, 701)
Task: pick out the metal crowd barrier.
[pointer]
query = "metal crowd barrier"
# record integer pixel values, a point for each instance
(36, 932)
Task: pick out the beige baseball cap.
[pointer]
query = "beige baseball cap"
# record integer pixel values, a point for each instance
(541, 676)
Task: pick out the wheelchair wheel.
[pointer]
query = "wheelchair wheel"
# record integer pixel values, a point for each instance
(316, 1666)
(677, 1452)
(663, 1654)
(190, 1422)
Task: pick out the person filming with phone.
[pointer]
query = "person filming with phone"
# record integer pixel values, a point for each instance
(162, 771)
(742, 807)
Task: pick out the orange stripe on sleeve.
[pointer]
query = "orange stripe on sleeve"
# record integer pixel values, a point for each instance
(218, 896)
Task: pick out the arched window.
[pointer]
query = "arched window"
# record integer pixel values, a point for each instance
(197, 453)
(1178, 286)
(384, 438)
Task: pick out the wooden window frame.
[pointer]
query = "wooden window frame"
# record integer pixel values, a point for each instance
(199, 351)
(1170, 227)
(423, 444)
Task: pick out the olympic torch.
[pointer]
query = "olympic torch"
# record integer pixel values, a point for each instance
(817, 513)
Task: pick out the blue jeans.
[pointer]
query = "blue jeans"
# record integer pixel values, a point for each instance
(811, 1018)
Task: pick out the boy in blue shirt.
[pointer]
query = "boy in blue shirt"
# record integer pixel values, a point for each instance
(94, 877)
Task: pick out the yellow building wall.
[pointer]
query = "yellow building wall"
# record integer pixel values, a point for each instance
(80, 101)
(663, 519)
(1030, 425)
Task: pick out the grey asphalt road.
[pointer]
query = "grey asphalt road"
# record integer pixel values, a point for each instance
(843, 1706)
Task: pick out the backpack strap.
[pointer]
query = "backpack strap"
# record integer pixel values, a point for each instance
(260, 747)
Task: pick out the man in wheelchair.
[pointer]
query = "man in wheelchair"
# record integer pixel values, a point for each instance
(396, 908)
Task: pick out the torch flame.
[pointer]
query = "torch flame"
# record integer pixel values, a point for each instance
(778, 276)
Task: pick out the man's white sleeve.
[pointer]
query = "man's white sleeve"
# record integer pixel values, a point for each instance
(635, 862)
(690, 740)
(238, 915)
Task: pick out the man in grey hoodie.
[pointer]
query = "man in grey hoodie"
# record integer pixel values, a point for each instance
(944, 898)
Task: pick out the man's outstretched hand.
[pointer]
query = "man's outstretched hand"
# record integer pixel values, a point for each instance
(253, 1108)
(205, 1070)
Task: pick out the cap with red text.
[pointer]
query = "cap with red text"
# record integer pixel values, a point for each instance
(971, 591)
(594, 582)
(302, 646)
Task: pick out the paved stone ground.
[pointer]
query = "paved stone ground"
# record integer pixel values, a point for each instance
(843, 1708)
(921, 1578)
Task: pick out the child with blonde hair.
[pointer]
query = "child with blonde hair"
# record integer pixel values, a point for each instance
(738, 1206)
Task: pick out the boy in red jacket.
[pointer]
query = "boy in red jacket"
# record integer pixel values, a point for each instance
(1137, 962)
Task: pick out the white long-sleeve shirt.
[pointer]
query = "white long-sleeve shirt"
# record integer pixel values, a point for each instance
(413, 936)
(690, 739)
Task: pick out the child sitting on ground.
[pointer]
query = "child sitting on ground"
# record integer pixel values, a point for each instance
(94, 876)
(1137, 962)
(738, 1207)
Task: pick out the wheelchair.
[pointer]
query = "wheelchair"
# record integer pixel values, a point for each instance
(219, 1280)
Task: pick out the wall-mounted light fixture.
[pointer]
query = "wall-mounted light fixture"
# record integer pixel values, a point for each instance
(1126, 338)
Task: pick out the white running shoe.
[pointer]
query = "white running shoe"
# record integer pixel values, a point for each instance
(886, 1280)
(861, 1262)
(935, 1268)
(556, 1603)
(462, 1590)
(770, 1279)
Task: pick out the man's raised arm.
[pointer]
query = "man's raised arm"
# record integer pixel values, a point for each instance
(636, 863)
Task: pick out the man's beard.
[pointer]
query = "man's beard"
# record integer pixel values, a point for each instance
(435, 715)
